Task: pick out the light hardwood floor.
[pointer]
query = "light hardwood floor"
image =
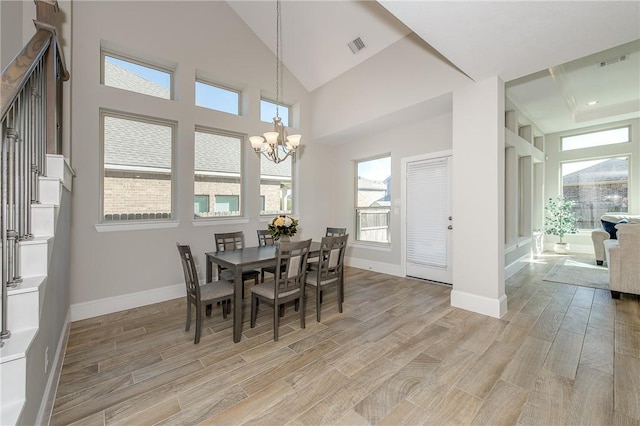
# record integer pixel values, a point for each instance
(398, 355)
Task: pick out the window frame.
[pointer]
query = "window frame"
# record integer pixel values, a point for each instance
(611, 156)
(242, 193)
(140, 62)
(356, 209)
(221, 87)
(292, 179)
(137, 223)
(562, 138)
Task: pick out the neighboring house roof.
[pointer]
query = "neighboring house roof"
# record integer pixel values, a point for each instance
(121, 78)
(365, 184)
(138, 144)
(612, 170)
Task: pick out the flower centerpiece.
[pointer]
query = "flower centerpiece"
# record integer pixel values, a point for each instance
(560, 220)
(283, 227)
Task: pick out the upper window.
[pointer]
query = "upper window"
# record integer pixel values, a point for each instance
(268, 111)
(373, 199)
(217, 174)
(276, 186)
(137, 167)
(597, 187)
(136, 76)
(588, 140)
(218, 98)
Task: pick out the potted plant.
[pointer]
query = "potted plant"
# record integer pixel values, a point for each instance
(560, 220)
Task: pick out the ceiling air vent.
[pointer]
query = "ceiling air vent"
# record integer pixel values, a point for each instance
(615, 60)
(356, 45)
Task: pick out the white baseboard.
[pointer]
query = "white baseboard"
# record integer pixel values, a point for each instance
(516, 266)
(46, 406)
(369, 265)
(483, 305)
(110, 305)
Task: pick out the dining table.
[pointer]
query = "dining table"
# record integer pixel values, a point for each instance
(242, 259)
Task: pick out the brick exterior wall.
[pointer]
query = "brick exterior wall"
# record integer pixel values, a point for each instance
(125, 194)
(149, 193)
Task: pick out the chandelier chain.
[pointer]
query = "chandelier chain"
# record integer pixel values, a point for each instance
(277, 145)
(278, 57)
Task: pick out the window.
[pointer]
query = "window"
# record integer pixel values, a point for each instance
(588, 140)
(136, 76)
(218, 98)
(227, 203)
(268, 111)
(201, 204)
(597, 187)
(373, 199)
(218, 172)
(137, 167)
(276, 187)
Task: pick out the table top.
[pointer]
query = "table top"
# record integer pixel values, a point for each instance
(252, 255)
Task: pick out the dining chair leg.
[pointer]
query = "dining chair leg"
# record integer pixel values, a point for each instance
(296, 305)
(276, 323)
(340, 296)
(188, 324)
(302, 318)
(318, 302)
(198, 324)
(254, 310)
(209, 309)
(225, 304)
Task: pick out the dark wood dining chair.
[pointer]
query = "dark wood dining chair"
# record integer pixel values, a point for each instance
(233, 241)
(202, 296)
(328, 271)
(335, 232)
(285, 287)
(266, 239)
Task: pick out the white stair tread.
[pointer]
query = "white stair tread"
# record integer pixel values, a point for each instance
(28, 284)
(16, 346)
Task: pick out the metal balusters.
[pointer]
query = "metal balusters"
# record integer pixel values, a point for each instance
(22, 162)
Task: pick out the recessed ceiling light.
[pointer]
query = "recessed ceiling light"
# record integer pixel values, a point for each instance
(592, 103)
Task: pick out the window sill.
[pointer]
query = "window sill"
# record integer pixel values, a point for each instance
(219, 221)
(371, 245)
(137, 226)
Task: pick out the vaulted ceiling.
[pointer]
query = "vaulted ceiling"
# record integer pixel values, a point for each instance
(549, 53)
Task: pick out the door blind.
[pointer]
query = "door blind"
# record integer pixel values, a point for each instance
(427, 210)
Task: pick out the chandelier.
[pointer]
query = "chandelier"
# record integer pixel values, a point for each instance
(276, 145)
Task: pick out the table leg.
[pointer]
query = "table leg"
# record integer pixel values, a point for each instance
(237, 306)
(209, 270)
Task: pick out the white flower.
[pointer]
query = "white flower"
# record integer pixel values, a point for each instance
(287, 221)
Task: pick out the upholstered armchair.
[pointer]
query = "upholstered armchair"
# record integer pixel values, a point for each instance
(624, 261)
(607, 231)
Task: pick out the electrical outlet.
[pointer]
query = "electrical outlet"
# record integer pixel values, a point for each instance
(46, 360)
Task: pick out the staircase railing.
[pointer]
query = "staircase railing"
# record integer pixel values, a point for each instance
(30, 112)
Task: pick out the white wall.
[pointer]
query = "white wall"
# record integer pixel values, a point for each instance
(429, 132)
(581, 242)
(403, 75)
(478, 198)
(205, 37)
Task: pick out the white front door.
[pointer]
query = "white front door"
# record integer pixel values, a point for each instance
(428, 221)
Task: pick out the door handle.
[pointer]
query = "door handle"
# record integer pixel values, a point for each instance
(449, 227)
